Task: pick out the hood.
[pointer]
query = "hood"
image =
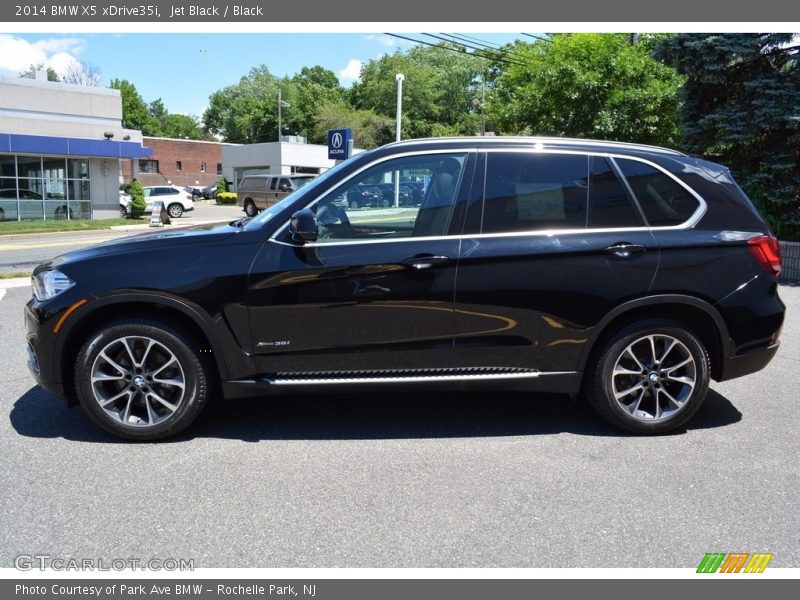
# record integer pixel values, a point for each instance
(152, 240)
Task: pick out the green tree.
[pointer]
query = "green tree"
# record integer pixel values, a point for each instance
(369, 128)
(138, 204)
(741, 106)
(222, 185)
(246, 112)
(438, 92)
(312, 88)
(587, 85)
(135, 113)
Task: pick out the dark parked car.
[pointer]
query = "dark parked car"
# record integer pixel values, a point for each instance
(209, 192)
(629, 274)
(363, 196)
(196, 192)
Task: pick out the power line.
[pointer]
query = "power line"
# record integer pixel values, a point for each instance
(500, 56)
(538, 37)
(487, 44)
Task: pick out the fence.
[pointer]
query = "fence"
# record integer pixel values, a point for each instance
(790, 257)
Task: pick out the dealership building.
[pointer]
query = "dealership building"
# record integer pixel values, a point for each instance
(60, 149)
(289, 156)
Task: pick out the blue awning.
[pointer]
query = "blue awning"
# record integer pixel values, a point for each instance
(68, 146)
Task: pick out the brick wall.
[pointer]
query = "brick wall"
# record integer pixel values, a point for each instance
(191, 155)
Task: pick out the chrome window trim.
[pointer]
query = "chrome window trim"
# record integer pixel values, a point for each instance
(369, 165)
(688, 224)
(702, 206)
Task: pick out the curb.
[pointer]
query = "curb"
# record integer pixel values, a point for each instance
(143, 227)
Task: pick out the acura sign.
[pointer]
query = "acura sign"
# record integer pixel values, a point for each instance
(339, 143)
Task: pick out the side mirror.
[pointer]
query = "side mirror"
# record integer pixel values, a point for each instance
(303, 226)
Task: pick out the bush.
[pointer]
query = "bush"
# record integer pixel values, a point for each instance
(222, 185)
(226, 197)
(138, 205)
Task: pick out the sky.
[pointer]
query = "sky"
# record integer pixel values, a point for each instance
(184, 69)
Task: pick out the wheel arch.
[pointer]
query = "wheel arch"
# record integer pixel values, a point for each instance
(699, 316)
(166, 309)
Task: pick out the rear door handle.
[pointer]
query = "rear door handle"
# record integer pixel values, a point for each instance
(425, 261)
(625, 250)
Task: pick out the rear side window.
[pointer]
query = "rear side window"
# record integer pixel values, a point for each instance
(273, 183)
(664, 201)
(526, 191)
(609, 204)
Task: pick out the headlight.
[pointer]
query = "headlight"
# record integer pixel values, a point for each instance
(49, 284)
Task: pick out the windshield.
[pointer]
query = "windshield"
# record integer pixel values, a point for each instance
(307, 188)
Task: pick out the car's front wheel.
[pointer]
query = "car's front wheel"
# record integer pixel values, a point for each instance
(141, 379)
(122, 211)
(175, 210)
(651, 377)
(250, 208)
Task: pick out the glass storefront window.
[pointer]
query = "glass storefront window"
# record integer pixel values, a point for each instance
(78, 168)
(29, 166)
(36, 187)
(54, 168)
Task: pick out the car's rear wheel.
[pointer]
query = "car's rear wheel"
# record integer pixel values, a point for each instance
(651, 377)
(2, 215)
(250, 208)
(122, 212)
(141, 379)
(175, 210)
(352, 204)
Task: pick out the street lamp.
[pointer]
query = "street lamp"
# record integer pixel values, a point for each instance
(480, 104)
(399, 78)
(281, 104)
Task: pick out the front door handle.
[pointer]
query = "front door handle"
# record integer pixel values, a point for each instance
(425, 261)
(625, 250)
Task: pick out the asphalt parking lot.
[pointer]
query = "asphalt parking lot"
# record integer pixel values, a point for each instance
(446, 480)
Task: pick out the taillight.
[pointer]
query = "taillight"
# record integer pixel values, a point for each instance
(767, 252)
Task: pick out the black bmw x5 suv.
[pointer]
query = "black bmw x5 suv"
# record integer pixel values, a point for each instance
(629, 274)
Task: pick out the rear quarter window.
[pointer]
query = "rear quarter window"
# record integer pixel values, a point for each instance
(663, 200)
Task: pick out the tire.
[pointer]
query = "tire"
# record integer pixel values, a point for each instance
(352, 204)
(122, 212)
(175, 210)
(250, 208)
(2, 215)
(651, 377)
(140, 379)
(385, 203)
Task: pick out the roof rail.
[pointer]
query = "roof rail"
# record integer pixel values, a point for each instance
(554, 141)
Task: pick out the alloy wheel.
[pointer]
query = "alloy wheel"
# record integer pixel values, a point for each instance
(654, 377)
(138, 381)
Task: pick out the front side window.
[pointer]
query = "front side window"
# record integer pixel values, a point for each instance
(374, 205)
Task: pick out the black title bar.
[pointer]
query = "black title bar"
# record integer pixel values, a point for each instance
(366, 11)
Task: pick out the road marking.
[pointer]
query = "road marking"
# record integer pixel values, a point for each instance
(14, 283)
